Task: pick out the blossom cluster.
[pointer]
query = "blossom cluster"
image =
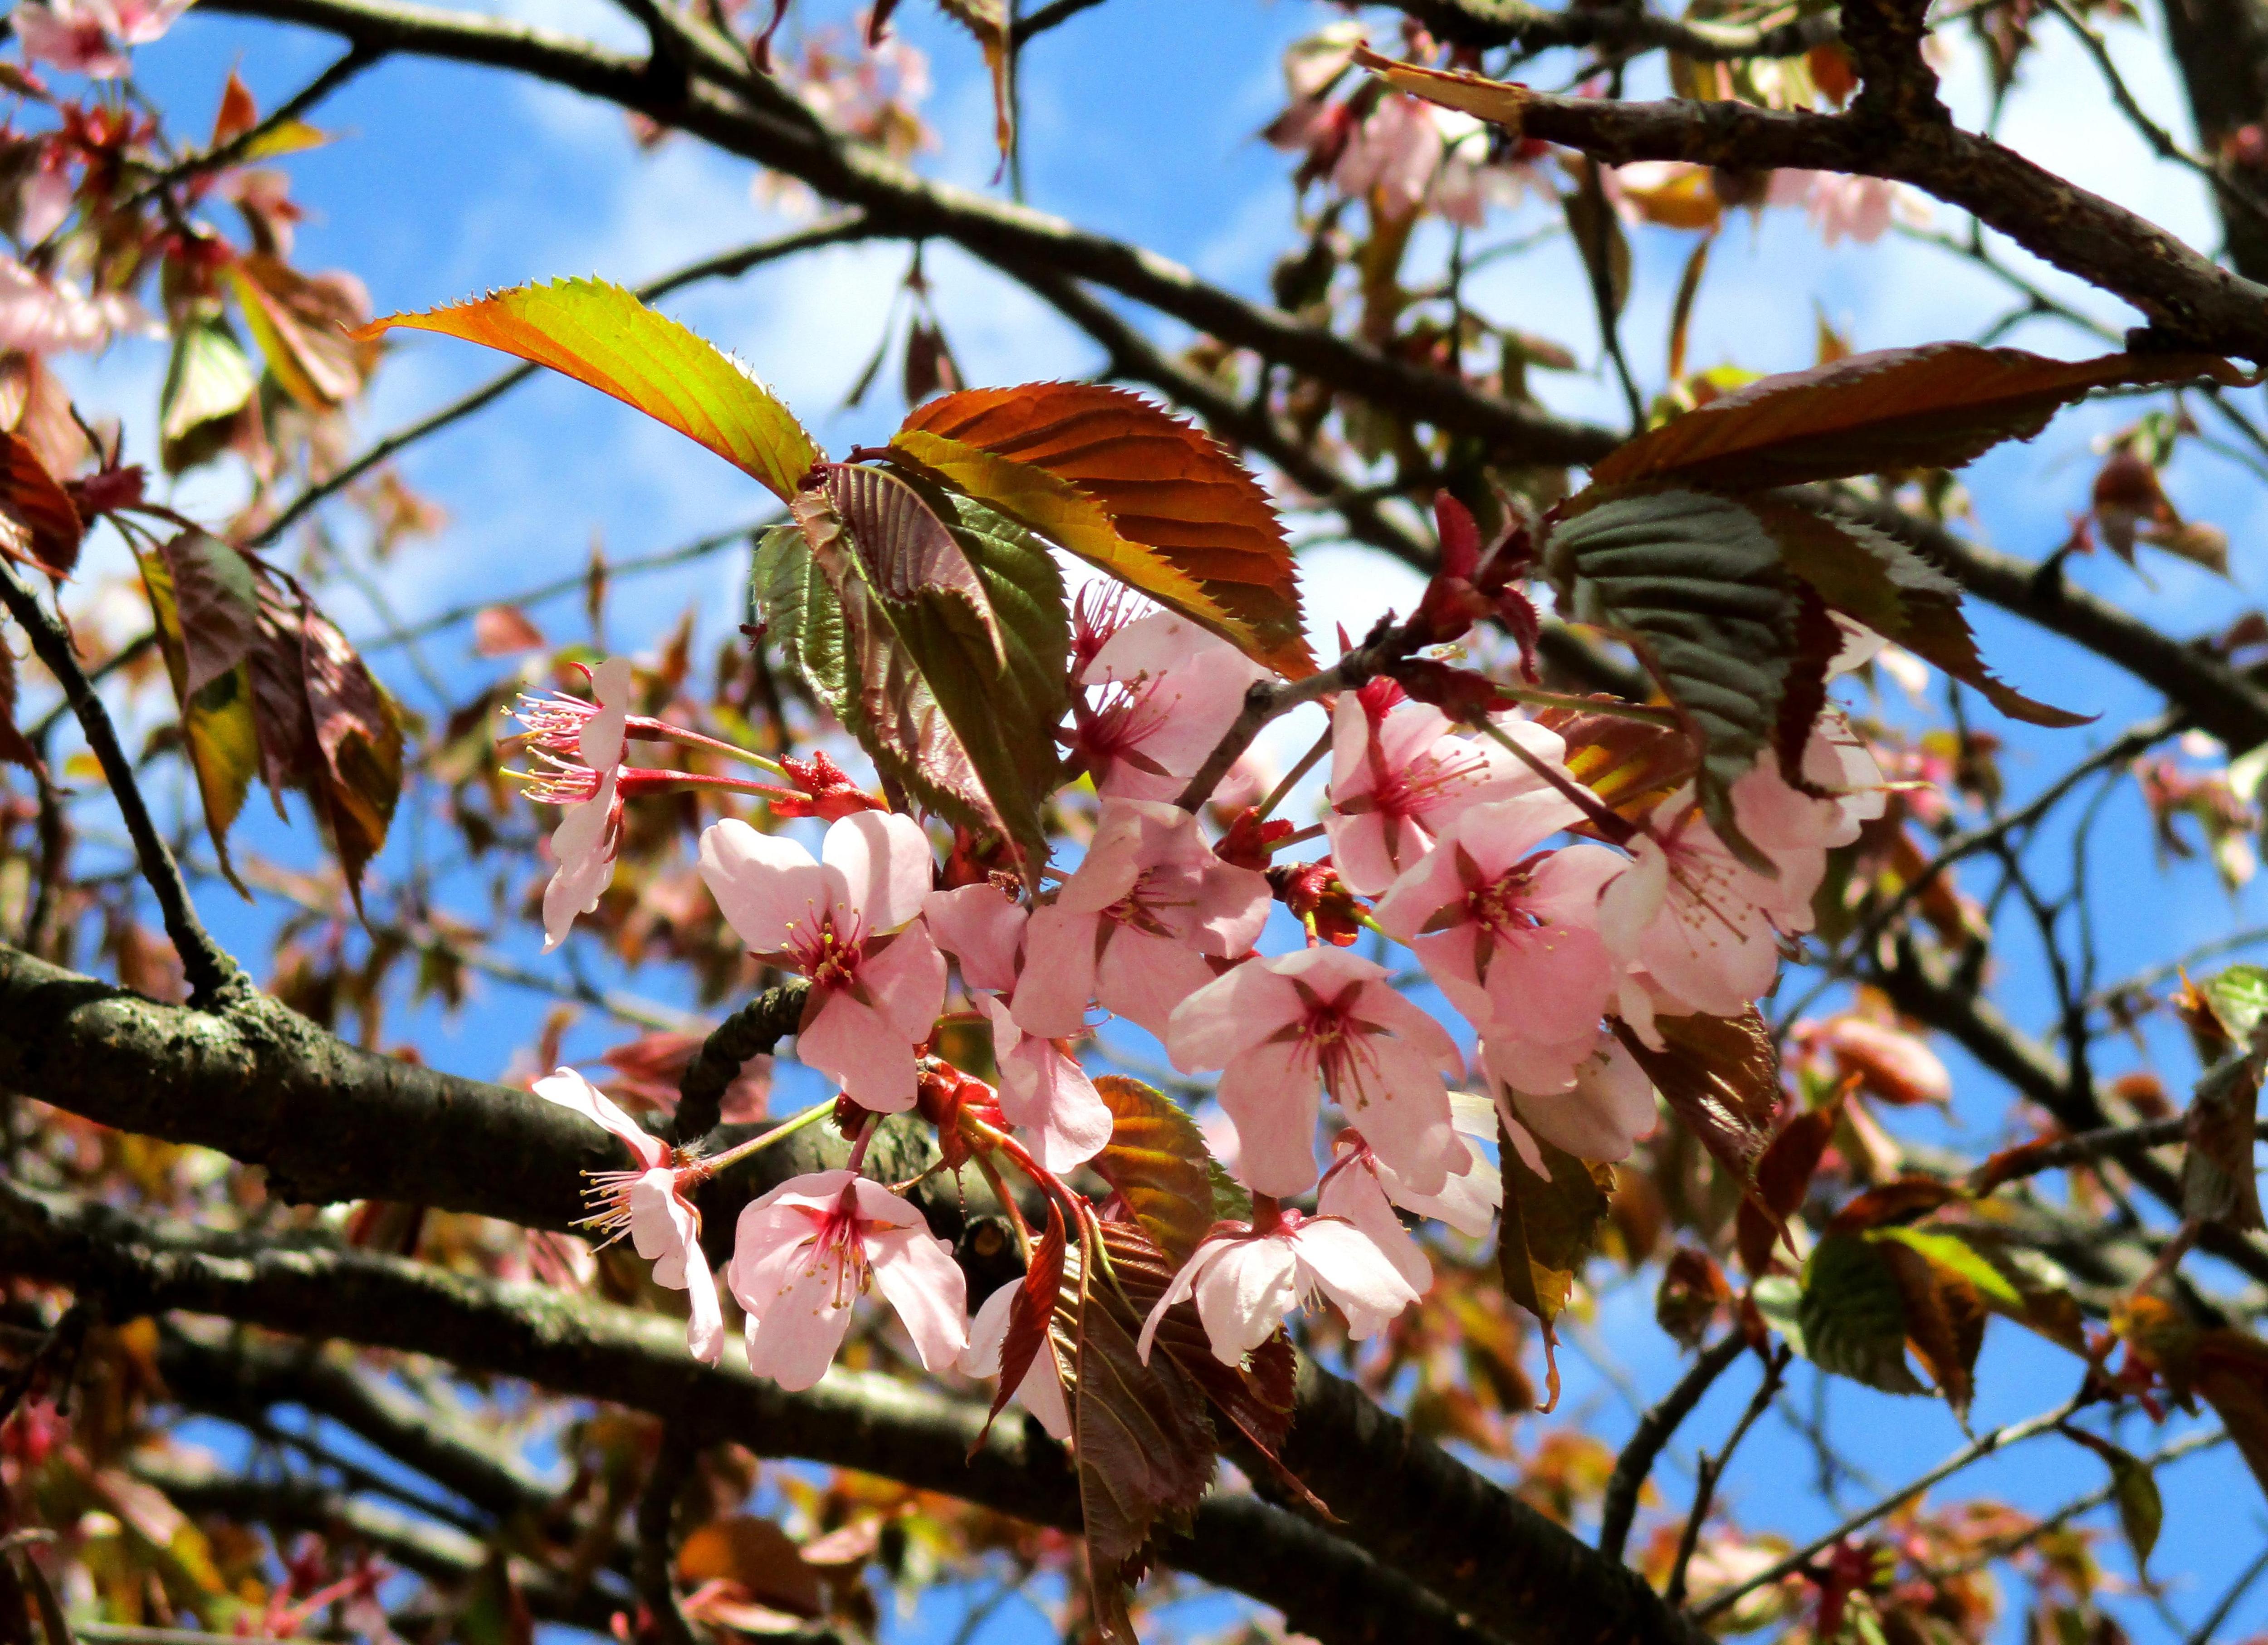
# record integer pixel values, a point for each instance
(1558, 941)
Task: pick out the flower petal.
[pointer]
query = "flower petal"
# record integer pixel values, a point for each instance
(884, 859)
(570, 1089)
(764, 884)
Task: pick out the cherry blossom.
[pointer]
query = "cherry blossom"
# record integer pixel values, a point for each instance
(1398, 777)
(1859, 207)
(1168, 691)
(84, 36)
(1281, 1029)
(650, 1205)
(51, 315)
(1043, 1090)
(1248, 1279)
(1606, 1105)
(803, 1252)
(1703, 924)
(1364, 1190)
(1042, 1391)
(1511, 933)
(982, 927)
(847, 922)
(1134, 926)
(585, 844)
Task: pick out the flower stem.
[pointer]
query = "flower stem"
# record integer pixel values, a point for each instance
(810, 1116)
(858, 1160)
(647, 730)
(1283, 790)
(1612, 710)
(1602, 817)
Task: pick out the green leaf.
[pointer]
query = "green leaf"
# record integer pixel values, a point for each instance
(2133, 1491)
(955, 687)
(1853, 1315)
(799, 612)
(601, 335)
(217, 726)
(2238, 997)
(1952, 1252)
(1551, 1225)
(209, 380)
(1157, 1161)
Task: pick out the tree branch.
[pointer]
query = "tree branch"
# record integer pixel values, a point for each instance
(751, 1031)
(1486, 23)
(581, 1346)
(1620, 1504)
(902, 202)
(215, 979)
(657, 1533)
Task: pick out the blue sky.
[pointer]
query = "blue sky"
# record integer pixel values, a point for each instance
(1139, 121)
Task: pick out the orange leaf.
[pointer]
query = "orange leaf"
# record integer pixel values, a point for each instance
(31, 500)
(1165, 486)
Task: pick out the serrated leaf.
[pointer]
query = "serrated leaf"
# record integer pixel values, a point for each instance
(1029, 1312)
(799, 613)
(601, 335)
(1853, 1315)
(1168, 488)
(1938, 406)
(1550, 1225)
(1720, 1076)
(209, 380)
(1142, 1440)
(1944, 1316)
(36, 510)
(1783, 1175)
(922, 687)
(1157, 1161)
(2218, 1180)
(217, 604)
(359, 735)
(2238, 997)
(310, 330)
(218, 728)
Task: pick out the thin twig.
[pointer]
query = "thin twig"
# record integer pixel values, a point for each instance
(2237, 1589)
(1048, 16)
(726, 265)
(657, 1540)
(1998, 1439)
(1713, 1469)
(1654, 1430)
(214, 978)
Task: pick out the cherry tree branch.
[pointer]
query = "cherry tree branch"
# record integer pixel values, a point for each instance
(1619, 1507)
(214, 978)
(758, 120)
(582, 1346)
(657, 1533)
(1617, 29)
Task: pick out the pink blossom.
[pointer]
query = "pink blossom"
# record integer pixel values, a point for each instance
(82, 36)
(1040, 1392)
(803, 1252)
(1364, 1190)
(1393, 151)
(588, 837)
(1605, 1107)
(1168, 691)
(48, 197)
(847, 923)
(981, 926)
(1132, 928)
(1703, 924)
(1840, 205)
(1248, 1279)
(1282, 1029)
(1398, 777)
(40, 314)
(1837, 761)
(650, 1205)
(1044, 1091)
(1509, 932)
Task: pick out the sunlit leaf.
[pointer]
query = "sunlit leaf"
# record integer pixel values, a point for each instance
(36, 511)
(1551, 1225)
(306, 328)
(1853, 1315)
(1720, 1076)
(1944, 1313)
(217, 724)
(209, 382)
(359, 735)
(1193, 512)
(601, 335)
(1157, 1161)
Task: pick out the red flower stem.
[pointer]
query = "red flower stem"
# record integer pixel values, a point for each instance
(858, 1160)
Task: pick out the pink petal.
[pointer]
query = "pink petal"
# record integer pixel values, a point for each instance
(704, 1326)
(1048, 1093)
(916, 1272)
(1351, 1271)
(1536, 1066)
(1402, 1108)
(580, 844)
(662, 1226)
(1143, 977)
(1122, 846)
(801, 1326)
(1469, 1199)
(1353, 1191)
(869, 1058)
(1271, 1095)
(884, 859)
(1184, 1282)
(1245, 1292)
(1230, 907)
(570, 1089)
(1058, 980)
(906, 981)
(764, 885)
(981, 926)
(1554, 981)
(1230, 1014)
(601, 737)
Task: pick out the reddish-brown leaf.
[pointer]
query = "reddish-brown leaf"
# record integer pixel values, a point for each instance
(1165, 485)
(1721, 1075)
(1783, 1177)
(1692, 1289)
(217, 601)
(1938, 406)
(1899, 1201)
(46, 527)
(359, 735)
(504, 631)
(755, 1555)
(304, 325)
(907, 550)
(1945, 1319)
(1157, 1161)
(1030, 1311)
